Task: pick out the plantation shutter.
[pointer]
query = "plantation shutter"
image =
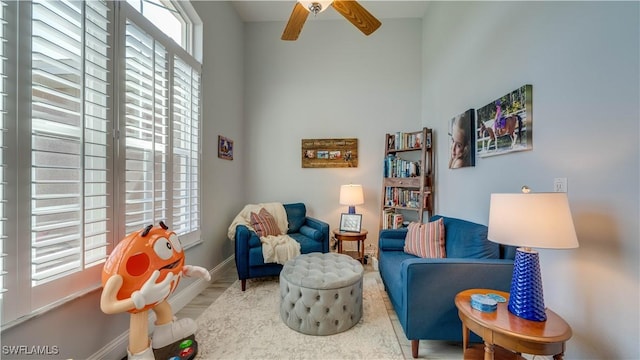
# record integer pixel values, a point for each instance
(3, 149)
(70, 138)
(186, 150)
(147, 129)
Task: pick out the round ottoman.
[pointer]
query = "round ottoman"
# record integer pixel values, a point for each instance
(321, 294)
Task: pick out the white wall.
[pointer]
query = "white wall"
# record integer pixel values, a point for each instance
(332, 83)
(582, 60)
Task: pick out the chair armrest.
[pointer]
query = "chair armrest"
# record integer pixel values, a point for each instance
(321, 226)
(392, 239)
(311, 233)
(242, 246)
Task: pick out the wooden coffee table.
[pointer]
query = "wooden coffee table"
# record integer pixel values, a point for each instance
(360, 237)
(504, 329)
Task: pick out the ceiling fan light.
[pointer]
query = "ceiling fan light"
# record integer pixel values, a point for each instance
(317, 6)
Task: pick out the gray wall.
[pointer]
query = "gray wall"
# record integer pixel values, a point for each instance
(582, 60)
(79, 328)
(333, 82)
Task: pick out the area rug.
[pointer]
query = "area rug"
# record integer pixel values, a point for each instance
(247, 325)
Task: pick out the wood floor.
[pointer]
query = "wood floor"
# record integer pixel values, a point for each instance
(428, 349)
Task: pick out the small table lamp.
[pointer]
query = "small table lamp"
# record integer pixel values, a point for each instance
(351, 195)
(541, 220)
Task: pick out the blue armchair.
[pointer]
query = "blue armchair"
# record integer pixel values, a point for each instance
(312, 234)
(422, 291)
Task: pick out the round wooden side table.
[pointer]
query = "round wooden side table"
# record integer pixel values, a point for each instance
(509, 331)
(360, 237)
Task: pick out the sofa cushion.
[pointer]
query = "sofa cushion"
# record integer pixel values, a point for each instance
(296, 216)
(264, 223)
(307, 244)
(465, 239)
(426, 240)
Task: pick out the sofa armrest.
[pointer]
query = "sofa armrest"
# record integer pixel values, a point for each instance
(392, 239)
(436, 282)
(321, 226)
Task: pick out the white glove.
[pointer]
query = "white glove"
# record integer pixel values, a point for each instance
(199, 271)
(152, 292)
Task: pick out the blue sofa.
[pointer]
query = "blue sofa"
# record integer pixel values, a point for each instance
(422, 291)
(312, 234)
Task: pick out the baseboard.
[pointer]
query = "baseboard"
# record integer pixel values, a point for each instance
(118, 346)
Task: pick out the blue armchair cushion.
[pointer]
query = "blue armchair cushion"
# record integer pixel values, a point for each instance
(296, 216)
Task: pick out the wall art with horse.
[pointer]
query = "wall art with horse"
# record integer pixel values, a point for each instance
(505, 125)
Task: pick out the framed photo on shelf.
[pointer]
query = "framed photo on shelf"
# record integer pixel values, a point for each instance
(351, 222)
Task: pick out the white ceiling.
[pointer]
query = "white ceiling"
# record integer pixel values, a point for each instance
(280, 10)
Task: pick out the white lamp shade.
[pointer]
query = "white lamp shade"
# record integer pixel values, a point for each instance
(538, 220)
(351, 194)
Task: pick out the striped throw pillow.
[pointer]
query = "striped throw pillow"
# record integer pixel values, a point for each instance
(426, 240)
(264, 223)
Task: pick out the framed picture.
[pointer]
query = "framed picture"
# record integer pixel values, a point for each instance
(463, 145)
(329, 153)
(351, 222)
(225, 148)
(505, 124)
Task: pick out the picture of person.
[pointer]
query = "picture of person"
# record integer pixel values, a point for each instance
(461, 132)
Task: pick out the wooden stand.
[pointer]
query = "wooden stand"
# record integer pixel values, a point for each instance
(352, 236)
(502, 330)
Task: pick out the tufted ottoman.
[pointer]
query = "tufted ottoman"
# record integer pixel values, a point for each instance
(321, 294)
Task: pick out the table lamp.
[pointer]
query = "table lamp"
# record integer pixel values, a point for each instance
(351, 195)
(530, 220)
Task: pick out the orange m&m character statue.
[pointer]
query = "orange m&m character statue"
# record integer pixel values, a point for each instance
(139, 275)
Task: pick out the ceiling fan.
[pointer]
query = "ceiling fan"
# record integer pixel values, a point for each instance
(350, 9)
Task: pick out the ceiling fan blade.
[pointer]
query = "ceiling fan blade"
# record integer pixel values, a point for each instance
(357, 15)
(296, 21)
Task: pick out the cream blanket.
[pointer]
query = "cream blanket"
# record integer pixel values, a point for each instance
(275, 248)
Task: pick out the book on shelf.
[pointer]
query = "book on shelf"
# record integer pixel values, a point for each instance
(392, 219)
(397, 220)
(405, 141)
(398, 167)
(396, 196)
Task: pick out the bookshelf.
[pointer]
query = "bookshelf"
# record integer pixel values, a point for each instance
(407, 185)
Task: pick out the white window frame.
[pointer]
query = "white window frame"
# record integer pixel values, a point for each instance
(21, 301)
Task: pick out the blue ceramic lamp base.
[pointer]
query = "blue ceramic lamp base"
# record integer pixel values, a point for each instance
(526, 299)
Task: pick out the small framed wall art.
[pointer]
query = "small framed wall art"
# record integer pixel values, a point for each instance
(351, 222)
(225, 148)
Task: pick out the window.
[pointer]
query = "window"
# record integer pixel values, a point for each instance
(169, 17)
(63, 154)
(161, 131)
(70, 142)
(4, 128)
